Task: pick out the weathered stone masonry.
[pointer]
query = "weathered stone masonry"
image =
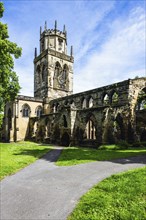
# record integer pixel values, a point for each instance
(55, 115)
(113, 118)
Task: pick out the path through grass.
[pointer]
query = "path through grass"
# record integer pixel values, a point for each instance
(120, 197)
(15, 156)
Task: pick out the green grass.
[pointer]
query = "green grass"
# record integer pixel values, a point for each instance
(75, 155)
(120, 197)
(15, 156)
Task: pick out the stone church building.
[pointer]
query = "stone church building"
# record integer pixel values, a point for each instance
(55, 115)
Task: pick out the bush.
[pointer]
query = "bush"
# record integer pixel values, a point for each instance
(139, 144)
(123, 145)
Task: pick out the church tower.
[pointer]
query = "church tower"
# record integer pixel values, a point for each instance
(53, 68)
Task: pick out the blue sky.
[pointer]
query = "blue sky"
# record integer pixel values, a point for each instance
(108, 37)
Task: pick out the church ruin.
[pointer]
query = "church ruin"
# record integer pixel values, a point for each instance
(104, 115)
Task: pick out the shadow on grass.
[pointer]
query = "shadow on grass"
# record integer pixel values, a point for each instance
(50, 155)
(71, 155)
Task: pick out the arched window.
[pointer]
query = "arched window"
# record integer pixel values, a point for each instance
(90, 130)
(106, 99)
(115, 98)
(57, 69)
(90, 104)
(55, 107)
(25, 110)
(84, 103)
(39, 111)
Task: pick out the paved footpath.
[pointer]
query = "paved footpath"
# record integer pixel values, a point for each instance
(45, 191)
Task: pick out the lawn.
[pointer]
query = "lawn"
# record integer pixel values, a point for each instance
(75, 155)
(15, 156)
(120, 197)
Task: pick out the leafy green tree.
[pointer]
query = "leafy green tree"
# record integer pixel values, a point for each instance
(9, 84)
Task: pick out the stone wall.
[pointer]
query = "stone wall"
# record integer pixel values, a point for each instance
(110, 110)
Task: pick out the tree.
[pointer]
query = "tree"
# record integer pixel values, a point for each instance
(9, 84)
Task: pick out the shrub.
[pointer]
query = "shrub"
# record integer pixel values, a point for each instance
(123, 144)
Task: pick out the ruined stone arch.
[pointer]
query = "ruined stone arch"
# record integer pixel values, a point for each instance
(84, 103)
(65, 139)
(38, 110)
(141, 100)
(55, 107)
(90, 102)
(114, 97)
(90, 127)
(119, 127)
(141, 115)
(72, 104)
(105, 99)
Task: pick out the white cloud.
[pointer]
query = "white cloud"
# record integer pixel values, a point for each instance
(107, 48)
(121, 56)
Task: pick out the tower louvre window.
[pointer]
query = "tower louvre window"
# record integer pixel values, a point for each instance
(60, 41)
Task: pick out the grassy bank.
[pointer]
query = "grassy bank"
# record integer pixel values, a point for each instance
(76, 155)
(121, 197)
(15, 156)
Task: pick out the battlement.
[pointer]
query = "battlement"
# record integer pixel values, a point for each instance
(52, 32)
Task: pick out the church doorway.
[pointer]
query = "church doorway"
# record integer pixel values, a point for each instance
(65, 139)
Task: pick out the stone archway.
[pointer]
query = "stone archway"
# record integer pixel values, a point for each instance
(65, 139)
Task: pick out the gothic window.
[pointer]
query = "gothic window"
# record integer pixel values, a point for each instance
(90, 104)
(39, 111)
(84, 103)
(62, 78)
(65, 70)
(115, 98)
(57, 69)
(25, 110)
(90, 130)
(106, 99)
(60, 43)
(55, 107)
